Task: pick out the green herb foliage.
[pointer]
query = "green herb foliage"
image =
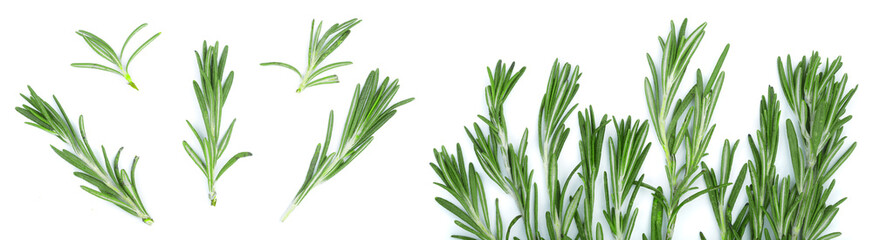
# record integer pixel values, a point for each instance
(507, 165)
(106, 52)
(762, 168)
(212, 93)
(113, 185)
(555, 109)
(688, 122)
(370, 109)
(500, 160)
(321, 46)
(800, 209)
(627, 152)
(729, 227)
(590, 150)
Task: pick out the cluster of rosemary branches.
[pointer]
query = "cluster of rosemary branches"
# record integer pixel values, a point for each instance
(507, 166)
(113, 184)
(212, 93)
(796, 206)
(370, 109)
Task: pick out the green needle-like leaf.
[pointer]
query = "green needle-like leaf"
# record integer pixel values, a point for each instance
(320, 47)
(212, 92)
(106, 52)
(370, 109)
(113, 185)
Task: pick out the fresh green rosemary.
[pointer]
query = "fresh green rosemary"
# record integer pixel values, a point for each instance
(370, 109)
(321, 46)
(626, 156)
(500, 160)
(762, 168)
(211, 95)
(729, 228)
(800, 209)
(113, 185)
(555, 109)
(590, 151)
(106, 52)
(672, 128)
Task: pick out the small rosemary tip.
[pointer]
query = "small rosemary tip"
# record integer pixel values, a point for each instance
(148, 221)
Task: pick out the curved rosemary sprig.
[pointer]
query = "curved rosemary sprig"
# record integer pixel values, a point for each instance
(321, 46)
(113, 185)
(695, 129)
(627, 152)
(730, 228)
(370, 109)
(106, 52)
(211, 95)
(819, 102)
(504, 163)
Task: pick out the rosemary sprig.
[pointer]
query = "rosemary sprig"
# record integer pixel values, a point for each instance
(211, 95)
(762, 167)
(467, 189)
(321, 46)
(626, 156)
(505, 164)
(729, 227)
(113, 185)
(106, 52)
(695, 129)
(555, 109)
(370, 109)
(819, 102)
(590, 151)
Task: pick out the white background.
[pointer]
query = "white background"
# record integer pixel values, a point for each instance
(439, 51)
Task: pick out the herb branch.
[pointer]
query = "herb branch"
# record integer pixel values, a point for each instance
(505, 164)
(590, 150)
(762, 166)
(106, 52)
(321, 46)
(113, 185)
(722, 208)
(672, 128)
(554, 111)
(370, 109)
(818, 100)
(212, 93)
(627, 152)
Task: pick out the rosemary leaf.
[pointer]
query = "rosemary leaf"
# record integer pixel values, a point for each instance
(106, 52)
(212, 93)
(113, 185)
(370, 109)
(321, 46)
